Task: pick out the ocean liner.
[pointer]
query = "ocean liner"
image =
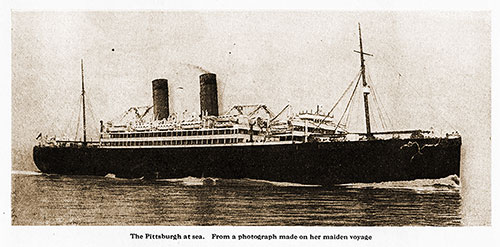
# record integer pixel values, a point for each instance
(249, 141)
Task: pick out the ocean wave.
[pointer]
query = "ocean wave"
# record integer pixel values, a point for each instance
(113, 176)
(282, 184)
(451, 182)
(26, 172)
(191, 181)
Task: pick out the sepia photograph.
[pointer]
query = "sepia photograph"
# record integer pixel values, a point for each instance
(272, 118)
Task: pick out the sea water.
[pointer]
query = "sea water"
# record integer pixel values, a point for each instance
(42, 199)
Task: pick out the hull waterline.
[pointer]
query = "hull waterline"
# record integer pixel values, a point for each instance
(323, 163)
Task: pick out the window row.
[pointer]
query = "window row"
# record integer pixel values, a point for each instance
(290, 138)
(180, 133)
(174, 142)
(313, 129)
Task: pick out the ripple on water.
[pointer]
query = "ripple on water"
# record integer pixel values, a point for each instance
(40, 199)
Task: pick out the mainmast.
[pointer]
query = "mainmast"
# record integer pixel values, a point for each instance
(83, 105)
(366, 89)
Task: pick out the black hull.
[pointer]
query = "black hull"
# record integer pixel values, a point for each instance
(308, 163)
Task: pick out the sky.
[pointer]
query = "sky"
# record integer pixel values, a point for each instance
(429, 69)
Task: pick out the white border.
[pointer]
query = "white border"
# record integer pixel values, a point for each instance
(97, 236)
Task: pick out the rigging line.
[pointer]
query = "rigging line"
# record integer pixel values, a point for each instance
(93, 127)
(376, 101)
(379, 111)
(382, 122)
(91, 111)
(348, 117)
(348, 103)
(123, 116)
(69, 128)
(275, 117)
(338, 101)
(349, 113)
(79, 115)
(372, 86)
(383, 115)
(382, 119)
(440, 113)
(383, 110)
(379, 119)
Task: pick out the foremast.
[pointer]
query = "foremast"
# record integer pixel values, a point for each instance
(83, 106)
(366, 89)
